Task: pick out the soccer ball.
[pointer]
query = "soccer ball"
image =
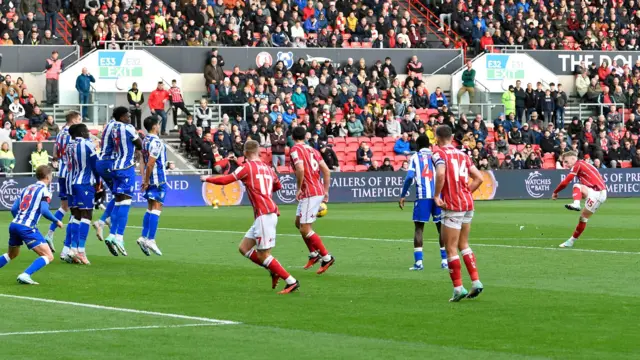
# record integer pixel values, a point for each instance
(323, 210)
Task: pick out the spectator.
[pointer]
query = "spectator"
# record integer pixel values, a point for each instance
(386, 165)
(561, 101)
(404, 167)
(520, 101)
(83, 86)
(223, 143)
(515, 136)
(415, 66)
(507, 164)
(582, 84)
(214, 76)
(493, 161)
(533, 162)
(39, 156)
(188, 133)
(502, 145)
(375, 166)
(635, 161)
(38, 118)
(7, 160)
(16, 109)
(33, 135)
(614, 155)
(402, 146)
(548, 107)
(468, 83)
(299, 99)
(157, 103)
(329, 157)
(407, 126)
(355, 127)
(509, 101)
(204, 116)
(9, 98)
(51, 9)
(7, 84)
(437, 100)
(135, 98)
(364, 154)
(51, 127)
(53, 69)
(278, 143)
(177, 102)
(547, 144)
(518, 164)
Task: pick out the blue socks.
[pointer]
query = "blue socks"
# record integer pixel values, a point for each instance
(122, 217)
(145, 224)
(58, 215)
(72, 228)
(154, 219)
(443, 254)
(4, 260)
(417, 255)
(36, 265)
(83, 233)
(108, 211)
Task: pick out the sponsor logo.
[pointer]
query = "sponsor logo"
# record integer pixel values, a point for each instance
(537, 184)
(321, 60)
(288, 192)
(286, 58)
(264, 58)
(9, 192)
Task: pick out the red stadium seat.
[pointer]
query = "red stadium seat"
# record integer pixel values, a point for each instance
(389, 140)
(389, 147)
(348, 168)
(339, 140)
(365, 139)
(378, 149)
(356, 44)
(626, 164)
(379, 158)
(549, 165)
(352, 148)
(20, 122)
(352, 140)
(377, 140)
(284, 169)
(367, 45)
(361, 168)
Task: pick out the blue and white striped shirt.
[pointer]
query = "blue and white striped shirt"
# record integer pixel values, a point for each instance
(29, 211)
(107, 152)
(62, 139)
(69, 156)
(153, 146)
(123, 136)
(84, 162)
(422, 170)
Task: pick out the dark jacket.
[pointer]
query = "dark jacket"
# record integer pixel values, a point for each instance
(278, 143)
(521, 97)
(330, 158)
(51, 6)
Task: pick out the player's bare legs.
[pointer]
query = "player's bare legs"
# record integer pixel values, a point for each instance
(451, 238)
(264, 259)
(314, 257)
(469, 261)
(585, 215)
(579, 192)
(306, 230)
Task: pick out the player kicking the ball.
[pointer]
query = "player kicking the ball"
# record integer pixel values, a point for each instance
(311, 194)
(591, 187)
(453, 168)
(260, 181)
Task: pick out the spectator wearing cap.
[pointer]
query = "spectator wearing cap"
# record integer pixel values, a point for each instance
(53, 67)
(507, 164)
(83, 86)
(157, 102)
(515, 136)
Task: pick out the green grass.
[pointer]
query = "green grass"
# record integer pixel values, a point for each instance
(540, 301)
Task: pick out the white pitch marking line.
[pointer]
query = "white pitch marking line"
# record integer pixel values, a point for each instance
(143, 312)
(433, 242)
(106, 329)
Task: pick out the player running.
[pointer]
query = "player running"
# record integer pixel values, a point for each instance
(154, 184)
(125, 143)
(591, 187)
(26, 210)
(453, 169)
(85, 180)
(421, 172)
(311, 193)
(72, 117)
(105, 169)
(260, 181)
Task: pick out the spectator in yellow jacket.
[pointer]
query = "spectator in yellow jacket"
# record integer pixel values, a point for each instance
(7, 160)
(39, 156)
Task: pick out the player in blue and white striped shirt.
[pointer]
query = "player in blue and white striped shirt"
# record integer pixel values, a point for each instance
(126, 142)
(154, 184)
(83, 158)
(422, 174)
(73, 117)
(105, 168)
(71, 240)
(26, 210)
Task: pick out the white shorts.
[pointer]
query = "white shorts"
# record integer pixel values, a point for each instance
(455, 219)
(263, 231)
(595, 199)
(308, 209)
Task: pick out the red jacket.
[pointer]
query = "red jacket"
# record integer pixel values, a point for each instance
(307, 12)
(30, 137)
(157, 99)
(484, 41)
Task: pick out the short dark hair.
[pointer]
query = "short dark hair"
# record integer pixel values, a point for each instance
(71, 115)
(150, 122)
(119, 112)
(299, 133)
(74, 130)
(444, 132)
(423, 141)
(43, 171)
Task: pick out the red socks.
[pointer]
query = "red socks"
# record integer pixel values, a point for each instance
(454, 270)
(317, 244)
(577, 193)
(253, 256)
(274, 266)
(308, 243)
(579, 229)
(470, 263)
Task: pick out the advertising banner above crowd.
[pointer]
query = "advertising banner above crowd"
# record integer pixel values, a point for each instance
(193, 59)
(187, 190)
(32, 59)
(563, 62)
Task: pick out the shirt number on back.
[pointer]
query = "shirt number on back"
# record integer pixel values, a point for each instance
(266, 183)
(314, 163)
(26, 202)
(460, 170)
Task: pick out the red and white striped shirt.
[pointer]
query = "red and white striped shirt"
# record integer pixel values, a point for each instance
(310, 158)
(260, 181)
(587, 174)
(455, 193)
(176, 94)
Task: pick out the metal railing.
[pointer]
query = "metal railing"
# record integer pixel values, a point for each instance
(219, 108)
(504, 48)
(600, 109)
(489, 111)
(97, 113)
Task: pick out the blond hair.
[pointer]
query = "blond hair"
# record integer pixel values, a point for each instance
(569, 154)
(251, 147)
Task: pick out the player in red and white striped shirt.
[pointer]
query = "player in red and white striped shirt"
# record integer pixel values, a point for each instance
(260, 182)
(591, 187)
(308, 165)
(453, 169)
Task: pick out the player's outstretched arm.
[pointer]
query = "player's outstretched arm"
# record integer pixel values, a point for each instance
(44, 210)
(476, 179)
(563, 185)
(219, 180)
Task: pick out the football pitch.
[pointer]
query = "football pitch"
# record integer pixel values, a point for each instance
(202, 300)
